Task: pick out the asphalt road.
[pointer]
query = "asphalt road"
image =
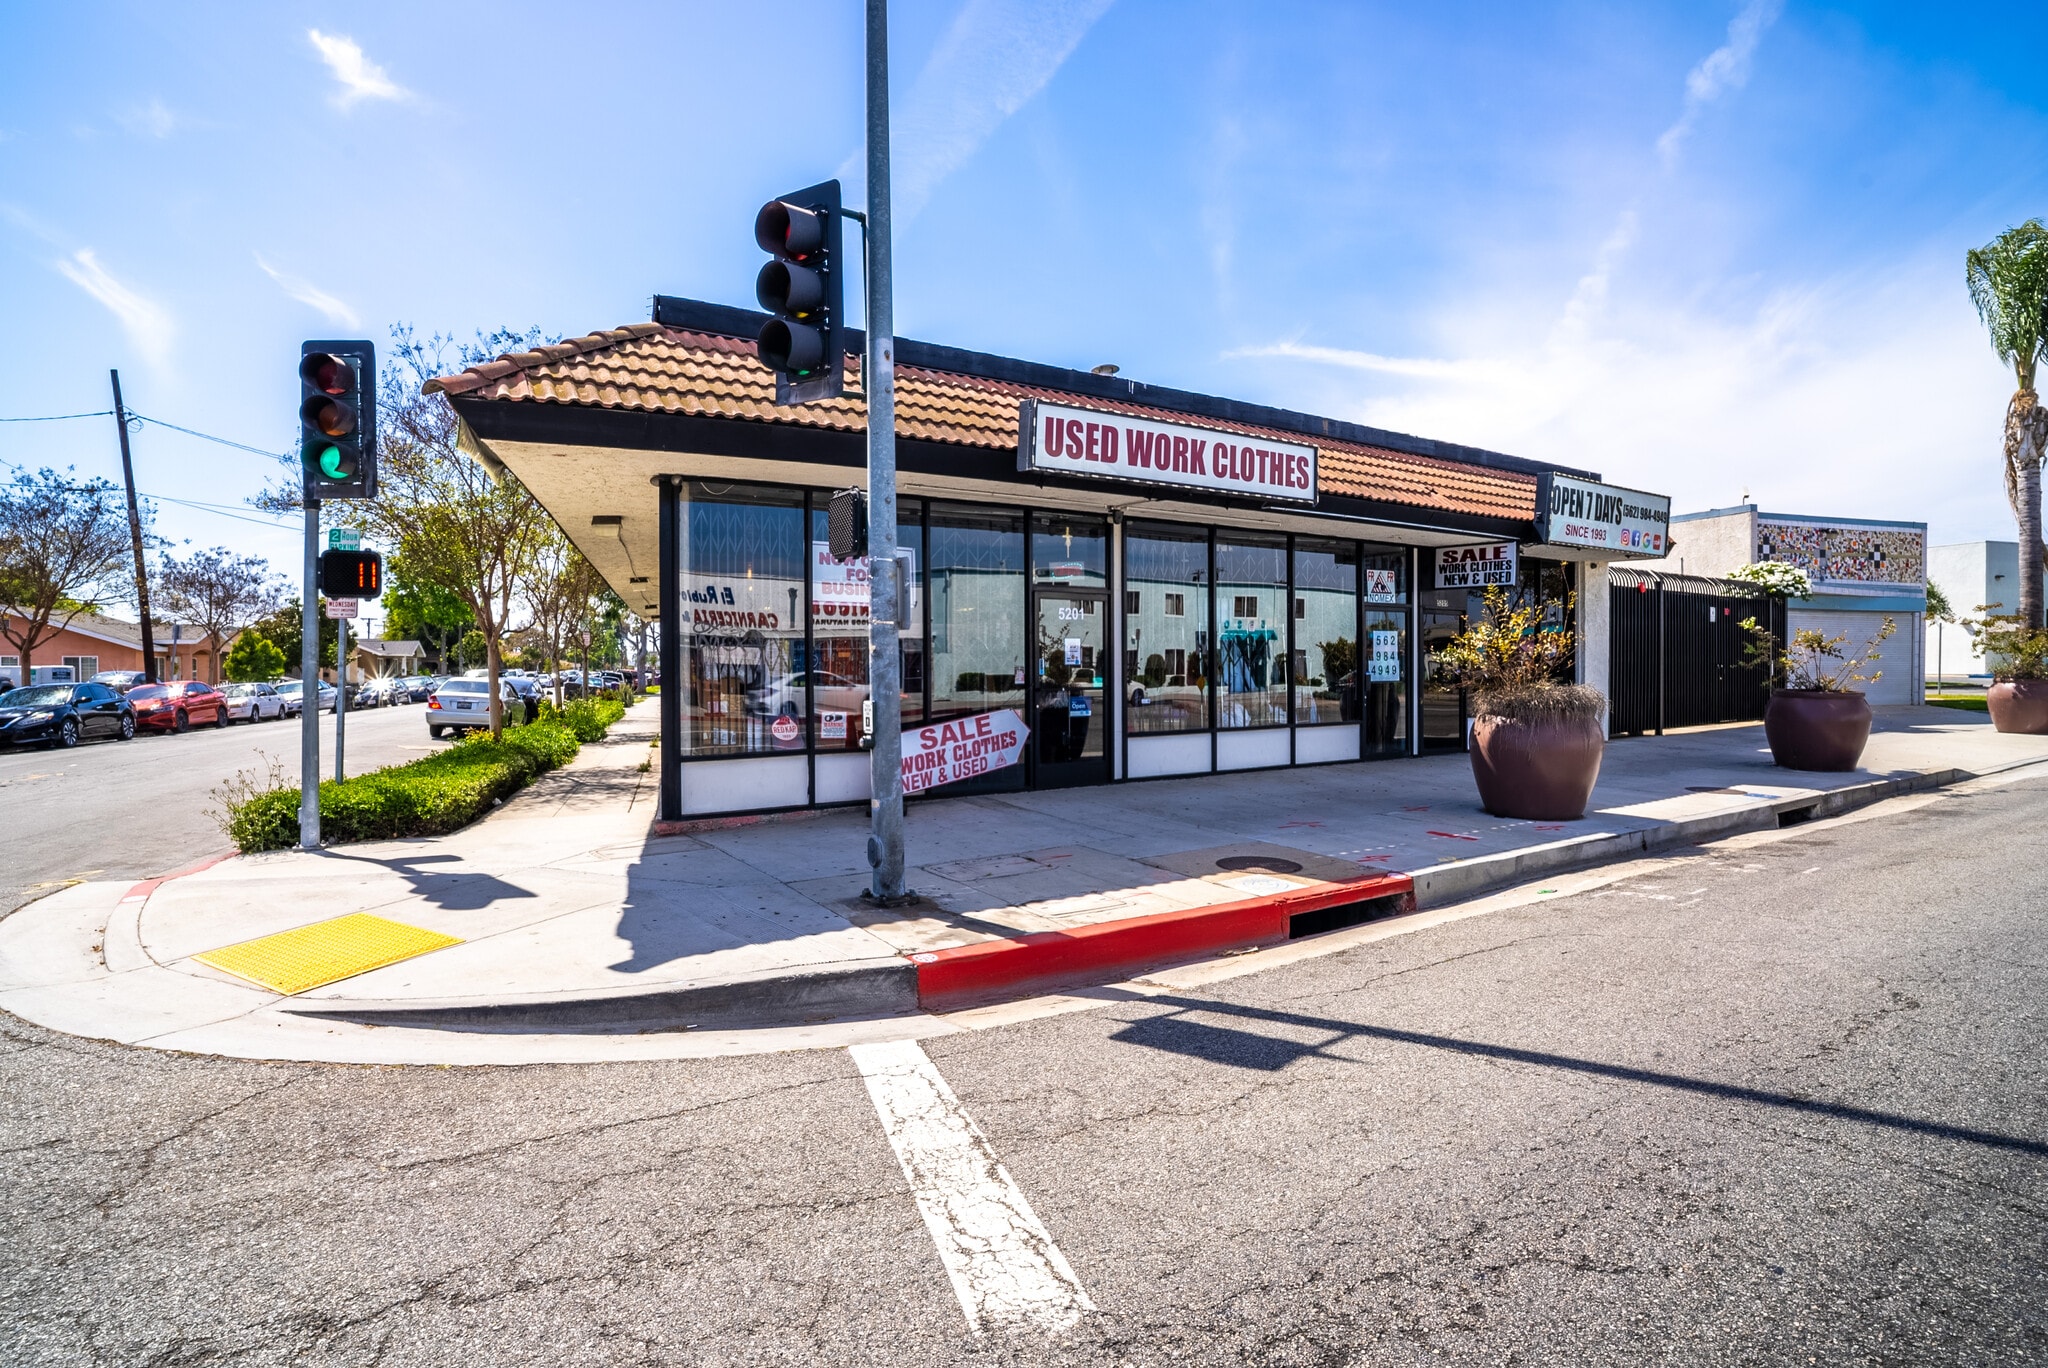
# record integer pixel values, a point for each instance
(113, 809)
(1783, 1105)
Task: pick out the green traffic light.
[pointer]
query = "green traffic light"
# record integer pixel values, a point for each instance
(332, 464)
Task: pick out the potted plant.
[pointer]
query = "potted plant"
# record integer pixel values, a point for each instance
(1536, 742)
(1816, 720)
(2018, 657)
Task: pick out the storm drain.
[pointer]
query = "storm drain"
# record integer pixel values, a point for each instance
(1325, 919)
(1794, 816)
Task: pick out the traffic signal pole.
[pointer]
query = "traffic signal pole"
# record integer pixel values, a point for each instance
(309, 687)
(885, 580)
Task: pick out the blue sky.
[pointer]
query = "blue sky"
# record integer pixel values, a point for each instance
(1706, 249)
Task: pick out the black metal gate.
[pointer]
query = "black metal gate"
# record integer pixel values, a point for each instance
(1677, 650)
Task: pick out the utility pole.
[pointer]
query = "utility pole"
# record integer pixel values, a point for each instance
(309, 686)
(135, 536)
(340, 691)
(885, 579)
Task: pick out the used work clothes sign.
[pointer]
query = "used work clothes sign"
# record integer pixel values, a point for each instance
(1117, 446)
(962, 748)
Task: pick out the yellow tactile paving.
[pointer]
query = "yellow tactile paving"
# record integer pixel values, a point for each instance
(293, 961)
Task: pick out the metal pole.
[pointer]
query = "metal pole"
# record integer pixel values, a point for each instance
(878, 376)
(340, 690)
(135, 536)
(309, 686)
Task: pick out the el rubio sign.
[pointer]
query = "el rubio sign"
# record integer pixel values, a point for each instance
(1622, 522)
(948, 751)
(1114, 446)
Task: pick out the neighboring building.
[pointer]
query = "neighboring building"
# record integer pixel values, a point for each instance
(1862, 570)
(1159, 582)
(373, 658)
(92, 643)
(1975, 575)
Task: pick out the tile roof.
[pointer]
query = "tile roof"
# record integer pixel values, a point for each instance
(649, 367)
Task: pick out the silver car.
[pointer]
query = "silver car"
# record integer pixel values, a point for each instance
(465, 705)
(252, 702)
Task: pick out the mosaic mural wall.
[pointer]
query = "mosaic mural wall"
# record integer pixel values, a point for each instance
(1847, 555)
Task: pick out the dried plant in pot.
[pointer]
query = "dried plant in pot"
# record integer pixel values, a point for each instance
(1816, 719)
(2018, 657)
(1536, 742)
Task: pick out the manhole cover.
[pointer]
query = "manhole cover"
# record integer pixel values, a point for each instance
(1265, 862)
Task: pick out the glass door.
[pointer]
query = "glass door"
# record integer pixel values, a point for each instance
(1443, 708)
(1068, 719)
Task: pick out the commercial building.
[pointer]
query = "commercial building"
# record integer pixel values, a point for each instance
(1157, 582)
(1863, 570)
(1974, 575)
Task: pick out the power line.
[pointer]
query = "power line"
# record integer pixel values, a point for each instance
(60, 417)
(209, 437)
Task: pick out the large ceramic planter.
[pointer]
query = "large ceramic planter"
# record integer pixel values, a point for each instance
(1814, 729)
(2019, 705)
(1538, 771)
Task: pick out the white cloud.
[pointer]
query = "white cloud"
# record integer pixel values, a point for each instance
(996, 55)
(148, 326)
(1725, 68)
(360, 78)
(152, 120)
(310, 294)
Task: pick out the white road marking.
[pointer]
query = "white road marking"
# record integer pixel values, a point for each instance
(1005, 1268)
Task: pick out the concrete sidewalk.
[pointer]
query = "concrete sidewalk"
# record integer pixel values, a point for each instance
(573, 916)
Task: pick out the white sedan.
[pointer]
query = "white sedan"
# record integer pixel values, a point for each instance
(253, 702)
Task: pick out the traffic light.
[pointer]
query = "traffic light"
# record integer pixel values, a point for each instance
(351, 574)
(338, 419)
(804, 288)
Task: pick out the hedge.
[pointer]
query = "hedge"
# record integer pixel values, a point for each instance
(428, 797)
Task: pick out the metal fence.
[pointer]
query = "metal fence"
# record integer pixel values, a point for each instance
(1677, 657)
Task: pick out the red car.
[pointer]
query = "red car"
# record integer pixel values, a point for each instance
(178, 706)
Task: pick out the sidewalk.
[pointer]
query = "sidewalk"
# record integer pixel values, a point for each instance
(573, 917)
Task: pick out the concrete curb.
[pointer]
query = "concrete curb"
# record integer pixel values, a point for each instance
(883, 988)
(1462, 879)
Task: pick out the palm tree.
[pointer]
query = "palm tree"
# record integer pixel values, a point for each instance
(2009, 285)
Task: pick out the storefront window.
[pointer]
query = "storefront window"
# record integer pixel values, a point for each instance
(742, 585)
(978, 641)
(1385, 672)
(1325, 668)
(838, 672)
(1251, 631)
(1069, 551)
(1166, 629)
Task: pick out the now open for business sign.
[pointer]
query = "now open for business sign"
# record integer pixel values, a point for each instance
(1113, 446)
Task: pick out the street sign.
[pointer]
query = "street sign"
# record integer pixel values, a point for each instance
(341, 608)
(344, 539)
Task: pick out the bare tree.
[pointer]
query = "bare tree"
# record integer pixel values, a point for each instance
(63, 547)
(219, 592)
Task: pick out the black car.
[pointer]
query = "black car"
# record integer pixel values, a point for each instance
(120, 681)
(64, 714)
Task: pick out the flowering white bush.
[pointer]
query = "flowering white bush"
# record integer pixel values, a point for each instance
(1775, 577)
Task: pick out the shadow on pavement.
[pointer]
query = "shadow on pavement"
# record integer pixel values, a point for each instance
(1177, 1034)
(466, 892)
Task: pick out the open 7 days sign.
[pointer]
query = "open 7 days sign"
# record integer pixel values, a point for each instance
(1115, 446)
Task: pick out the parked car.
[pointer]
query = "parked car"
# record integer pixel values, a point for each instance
(64, 715)
(783, 695)
(528, 689)
(376, 693)
(178, 706)
(120, 681)
(417, 687)
(465, 705)
(252, 702)
(293, 694)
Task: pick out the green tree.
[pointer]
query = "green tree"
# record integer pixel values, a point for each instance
(418, 610)
(254, 659)
(2009, 285)
(472, 650)
(283, 630)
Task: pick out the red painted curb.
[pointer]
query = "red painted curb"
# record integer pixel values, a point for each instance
(140, 892)
(1042, 960)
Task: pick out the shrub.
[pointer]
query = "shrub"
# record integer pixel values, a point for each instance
(428, 797)
(1547, 703)
(1510, 649)
(1775, 578)
(2012, 649)
(1814, 661)
(588, 718)
(253, 659)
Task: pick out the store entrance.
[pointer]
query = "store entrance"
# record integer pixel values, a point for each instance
(1444, 709)
(1068, 717)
